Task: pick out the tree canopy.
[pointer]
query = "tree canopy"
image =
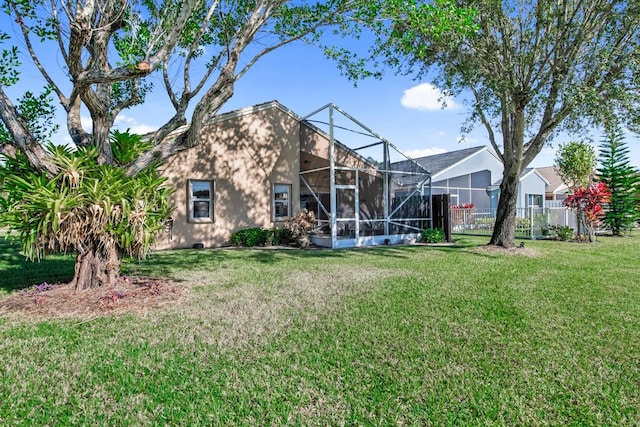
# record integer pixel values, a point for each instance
(105, 200)
(527, 69)
(622, 180)
(576, 163)
(110, 48)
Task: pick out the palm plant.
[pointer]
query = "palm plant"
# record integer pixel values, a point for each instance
(96, 211)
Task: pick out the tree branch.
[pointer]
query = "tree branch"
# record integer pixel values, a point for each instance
(23, 139)
(74, 124)
(485, 122)
(129, 102)
(54, 12)
(25, 34)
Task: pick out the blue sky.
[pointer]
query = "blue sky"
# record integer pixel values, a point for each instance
(399, 108)
(404, 111)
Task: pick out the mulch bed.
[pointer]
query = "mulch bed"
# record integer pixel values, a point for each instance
(131, 295)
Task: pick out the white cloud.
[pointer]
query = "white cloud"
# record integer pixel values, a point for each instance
(124, 122)
(426, 97)
(87, 123)
(414, 154)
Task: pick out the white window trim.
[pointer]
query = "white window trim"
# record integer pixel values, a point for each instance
(532, 196)
(273, 201)
(212, 192)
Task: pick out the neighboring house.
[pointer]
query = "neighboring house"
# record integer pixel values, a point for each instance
(466, 175)
(258, 166)
(557, 189)
(531, 189)
(473, 175)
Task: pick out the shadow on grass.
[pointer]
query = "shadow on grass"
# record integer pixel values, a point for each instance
(16, 272)
(168, 263)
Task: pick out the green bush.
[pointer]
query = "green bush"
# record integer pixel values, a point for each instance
(433, 235)
(281, 236)
(523, 223)
(256, 236)
(250, 237)
(563, 232)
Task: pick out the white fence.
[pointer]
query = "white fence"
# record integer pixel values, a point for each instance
(531, 223)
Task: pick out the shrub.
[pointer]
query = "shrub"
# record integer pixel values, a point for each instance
(281, 236)
(563, 232)
(523, 223)
(301, 223)
(250, 237)
(588, 202)
(433, 235)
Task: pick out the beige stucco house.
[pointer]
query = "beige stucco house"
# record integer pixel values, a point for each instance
(257, 166)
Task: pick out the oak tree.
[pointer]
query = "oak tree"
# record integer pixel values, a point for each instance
(528, 70)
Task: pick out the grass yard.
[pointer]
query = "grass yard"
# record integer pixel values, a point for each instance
(393, 335)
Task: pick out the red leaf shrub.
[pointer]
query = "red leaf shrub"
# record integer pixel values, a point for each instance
(588, 201)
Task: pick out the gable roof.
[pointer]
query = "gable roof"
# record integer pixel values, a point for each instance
(528, 171)
(525, 173)
(555, 181)
(440, 163)
(302, 120)
(239, 113)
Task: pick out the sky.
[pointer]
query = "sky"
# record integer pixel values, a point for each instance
(403, 110)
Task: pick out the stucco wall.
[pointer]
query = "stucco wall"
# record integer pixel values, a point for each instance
(244, 155)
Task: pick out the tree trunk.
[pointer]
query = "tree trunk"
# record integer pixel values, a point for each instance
(96, 268)
(504, 229)
(101, 137)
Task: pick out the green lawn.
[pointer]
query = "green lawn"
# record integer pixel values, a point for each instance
(18, 273)
(393, 335)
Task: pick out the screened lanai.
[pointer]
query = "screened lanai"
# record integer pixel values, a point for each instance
(346, 178)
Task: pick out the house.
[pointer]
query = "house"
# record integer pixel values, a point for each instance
(258, 166)
(557, 189)
(473, 176)
(531, 189)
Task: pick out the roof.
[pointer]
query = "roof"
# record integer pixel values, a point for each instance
(239, 113)
(439, 163)
(302, 120)
(555, 181)
(528, 171)
(525, 173)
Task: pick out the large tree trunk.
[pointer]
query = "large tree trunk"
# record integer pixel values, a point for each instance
(102, 124)
(96, 268)
(504, 229)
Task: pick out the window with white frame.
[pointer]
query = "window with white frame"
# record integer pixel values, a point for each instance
(200, 200)
(534, 200)
(281, 201)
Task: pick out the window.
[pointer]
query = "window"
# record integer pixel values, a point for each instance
(281, 201)
(534, 200)
(200, 201)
